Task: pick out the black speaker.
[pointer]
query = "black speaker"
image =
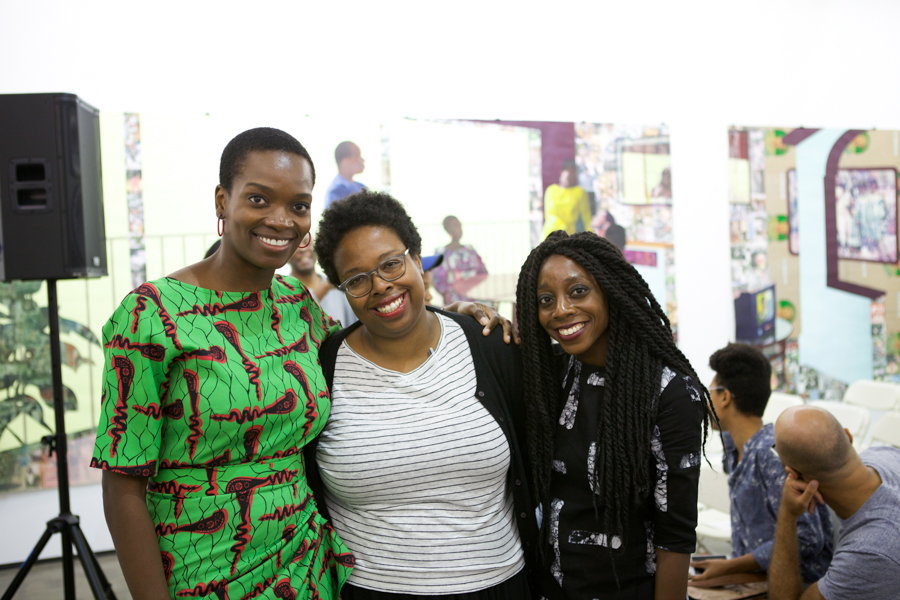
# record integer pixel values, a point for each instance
(51, 197)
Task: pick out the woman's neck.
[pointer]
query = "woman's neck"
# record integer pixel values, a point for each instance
(402, 354)
(225, 273)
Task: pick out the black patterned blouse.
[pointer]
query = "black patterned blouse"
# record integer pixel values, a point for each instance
(581, 563)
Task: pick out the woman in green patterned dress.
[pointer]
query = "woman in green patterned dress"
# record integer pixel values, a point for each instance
(211, 388)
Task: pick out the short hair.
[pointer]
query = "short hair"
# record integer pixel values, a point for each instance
(569, 165)
(365, 208)
(260, 139)
(747, 374)
(449, 218)
(343, 150)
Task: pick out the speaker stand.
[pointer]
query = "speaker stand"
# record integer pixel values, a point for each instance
(66, 523)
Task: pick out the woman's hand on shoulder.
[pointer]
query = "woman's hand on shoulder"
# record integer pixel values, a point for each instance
(487, 316)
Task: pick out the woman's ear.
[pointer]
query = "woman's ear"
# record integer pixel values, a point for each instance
(221, 198)
(418, 262)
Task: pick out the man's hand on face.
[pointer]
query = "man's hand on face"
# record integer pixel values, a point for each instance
(799, 495)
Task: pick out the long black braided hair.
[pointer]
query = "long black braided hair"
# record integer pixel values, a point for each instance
(640, 345)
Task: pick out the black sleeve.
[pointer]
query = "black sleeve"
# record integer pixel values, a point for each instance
(508, 370)
(676, 448)
(506, 367)
(327, 358)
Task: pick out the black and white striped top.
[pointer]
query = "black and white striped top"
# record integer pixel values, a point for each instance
(415, 473)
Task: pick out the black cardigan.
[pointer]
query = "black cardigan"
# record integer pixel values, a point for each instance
(498, 372)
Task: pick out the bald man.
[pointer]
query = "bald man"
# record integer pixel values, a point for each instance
(864, 491)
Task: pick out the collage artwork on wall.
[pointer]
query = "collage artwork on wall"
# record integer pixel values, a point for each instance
(616, 181)
(519, 181)
(814, 254)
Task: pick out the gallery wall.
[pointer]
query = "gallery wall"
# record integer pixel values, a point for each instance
(815, 253)
(698, 67)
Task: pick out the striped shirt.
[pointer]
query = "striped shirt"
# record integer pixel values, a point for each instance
(415, 473)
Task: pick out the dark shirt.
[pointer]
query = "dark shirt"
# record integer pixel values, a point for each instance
(582, 564)
(756, 484)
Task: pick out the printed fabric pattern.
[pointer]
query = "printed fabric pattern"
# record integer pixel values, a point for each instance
(581, 552)
(212, 395)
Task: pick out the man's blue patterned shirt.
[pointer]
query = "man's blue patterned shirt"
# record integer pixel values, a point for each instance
(756, 483)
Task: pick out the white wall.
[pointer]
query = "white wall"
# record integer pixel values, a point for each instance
(697, 66)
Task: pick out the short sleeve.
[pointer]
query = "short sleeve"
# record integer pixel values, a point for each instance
(859, 576)
(136, 355)
(676, 449)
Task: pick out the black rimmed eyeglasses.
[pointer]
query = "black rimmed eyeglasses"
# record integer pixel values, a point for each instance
(389, 269)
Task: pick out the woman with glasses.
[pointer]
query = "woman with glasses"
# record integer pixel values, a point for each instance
(419, 460)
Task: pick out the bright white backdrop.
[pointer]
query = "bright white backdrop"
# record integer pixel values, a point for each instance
(697, 66)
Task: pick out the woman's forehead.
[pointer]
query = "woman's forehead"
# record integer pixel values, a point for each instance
(364, 245)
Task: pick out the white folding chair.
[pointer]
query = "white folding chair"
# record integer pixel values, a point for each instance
(886, 431)
(854, 418)
(714, 447)
(874, 395)
(712, 526)
(713, 488)
(778, 403)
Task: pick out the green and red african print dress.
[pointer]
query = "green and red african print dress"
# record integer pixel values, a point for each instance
(212, 395)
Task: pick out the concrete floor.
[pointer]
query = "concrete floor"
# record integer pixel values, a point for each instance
(44, 582)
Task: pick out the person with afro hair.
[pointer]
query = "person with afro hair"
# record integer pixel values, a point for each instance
(420, 463)
(739, 393)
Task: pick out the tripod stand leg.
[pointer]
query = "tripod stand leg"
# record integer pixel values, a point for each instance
(89, 562)
(68, 562)
(104, 582)
(26, 566)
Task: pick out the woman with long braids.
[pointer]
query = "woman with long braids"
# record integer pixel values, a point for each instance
(615, 418)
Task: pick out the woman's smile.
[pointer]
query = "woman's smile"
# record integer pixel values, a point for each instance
(391, 307)
(279, 244)
(570, 332)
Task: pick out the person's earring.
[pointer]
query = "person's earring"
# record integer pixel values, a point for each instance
(307, 243)
(220, 226)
